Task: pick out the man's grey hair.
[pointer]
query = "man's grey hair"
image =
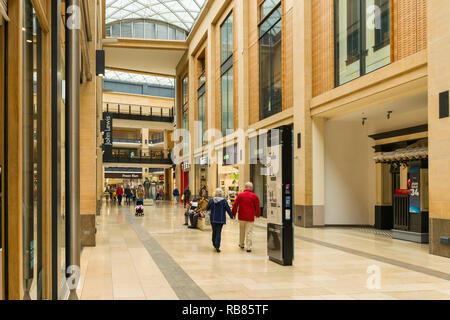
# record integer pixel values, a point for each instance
(218, 192)
(248, 186)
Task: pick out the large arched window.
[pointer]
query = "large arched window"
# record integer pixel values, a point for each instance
(170, 19)
(145, 29)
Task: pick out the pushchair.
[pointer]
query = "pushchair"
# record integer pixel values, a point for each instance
(139, 207)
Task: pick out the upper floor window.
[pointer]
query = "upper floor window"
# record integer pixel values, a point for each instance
(227, 75)
(185, 92)
(145, 29)
(270, 81)
(266, 7)
(362, 38)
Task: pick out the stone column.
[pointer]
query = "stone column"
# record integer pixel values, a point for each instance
(303, 193)
(438, 133)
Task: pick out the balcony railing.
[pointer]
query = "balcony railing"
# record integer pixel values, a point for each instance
(155, 141)
(139, 112)
(143, 157)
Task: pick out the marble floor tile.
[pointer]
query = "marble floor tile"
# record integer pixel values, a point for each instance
(123, 266)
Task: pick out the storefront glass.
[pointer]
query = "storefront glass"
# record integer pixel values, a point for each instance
(257, 151)
(32, 155)
(201, 175)
(228, 172)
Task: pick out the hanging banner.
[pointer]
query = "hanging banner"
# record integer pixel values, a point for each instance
(107, 133)
(414, 196)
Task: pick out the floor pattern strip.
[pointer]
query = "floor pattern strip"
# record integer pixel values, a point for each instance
(183, 285)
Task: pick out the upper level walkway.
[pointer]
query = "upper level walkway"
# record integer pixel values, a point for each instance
(139, 112)
(156, 257)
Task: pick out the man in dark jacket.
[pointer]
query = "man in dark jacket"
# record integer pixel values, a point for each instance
(187, 196)
(218, 206)
(128, 195)
(247, 203)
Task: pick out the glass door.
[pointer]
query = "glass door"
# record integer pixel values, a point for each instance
(2, 154)
(32, 152)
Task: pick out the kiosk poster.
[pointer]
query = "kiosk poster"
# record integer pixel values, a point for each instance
(274, 187)
(414, 196)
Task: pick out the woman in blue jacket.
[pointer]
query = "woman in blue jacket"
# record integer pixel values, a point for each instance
(218, 206)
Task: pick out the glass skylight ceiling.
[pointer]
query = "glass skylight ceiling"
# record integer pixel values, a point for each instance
(139, 78)
(181, 13)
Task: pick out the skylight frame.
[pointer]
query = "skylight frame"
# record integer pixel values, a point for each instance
(180, 13)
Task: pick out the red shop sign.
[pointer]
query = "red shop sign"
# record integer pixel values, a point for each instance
(402, 191)
(161, 177)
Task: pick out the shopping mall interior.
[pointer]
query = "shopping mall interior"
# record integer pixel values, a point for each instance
(224, 150)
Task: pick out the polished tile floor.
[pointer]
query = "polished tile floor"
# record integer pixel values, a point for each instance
(156, 257)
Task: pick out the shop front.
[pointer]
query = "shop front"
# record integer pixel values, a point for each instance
(228, 172)
(407, 184)
(114, 179)
(185, 167)
(154, 184)
(201, 168)
(258, 151)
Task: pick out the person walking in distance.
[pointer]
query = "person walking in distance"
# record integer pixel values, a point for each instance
(246, 205)
(186, 196)
(128, 195)
(119, 193)
(176, 194)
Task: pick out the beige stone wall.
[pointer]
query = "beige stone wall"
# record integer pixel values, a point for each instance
(439, 129)
(134, 99)
(88, 132)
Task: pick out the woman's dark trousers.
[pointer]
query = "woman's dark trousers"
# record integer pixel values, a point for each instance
(216, 234)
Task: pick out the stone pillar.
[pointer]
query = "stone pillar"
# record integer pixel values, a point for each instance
(383, 205)
(303, 193)
(318, 136)
(438, 133)
(145, 137)
(242, 43)
(88, 143)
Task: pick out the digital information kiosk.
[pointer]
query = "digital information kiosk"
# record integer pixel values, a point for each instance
(280, 232)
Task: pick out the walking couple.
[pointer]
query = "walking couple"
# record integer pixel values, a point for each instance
(246, 205)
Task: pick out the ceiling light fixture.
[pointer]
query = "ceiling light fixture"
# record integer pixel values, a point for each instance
(389, 113)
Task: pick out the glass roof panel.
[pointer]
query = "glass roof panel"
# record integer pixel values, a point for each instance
(139, 78)
(181, 13)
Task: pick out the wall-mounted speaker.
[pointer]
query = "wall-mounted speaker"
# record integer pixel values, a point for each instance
(100, 62)
(443, 105)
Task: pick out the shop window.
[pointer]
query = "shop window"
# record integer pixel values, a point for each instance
(202, 106)
(270, 62)
(362, 38)
(185, 109)
(227, 75)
